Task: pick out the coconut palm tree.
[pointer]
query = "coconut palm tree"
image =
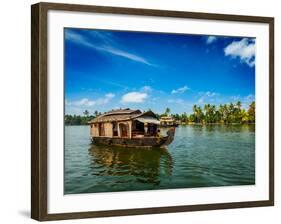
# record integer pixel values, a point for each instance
(239, 104)
(86, 113)
(96, 113)
(251, 112)
(167, 111)
(207, 109)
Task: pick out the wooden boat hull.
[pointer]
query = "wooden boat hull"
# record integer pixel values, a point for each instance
(136, 142)
(127, 142)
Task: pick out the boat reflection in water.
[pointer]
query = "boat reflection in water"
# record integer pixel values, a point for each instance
(129, 168)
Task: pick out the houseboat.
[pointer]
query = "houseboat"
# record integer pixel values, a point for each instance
(167, 121)
(129, 128)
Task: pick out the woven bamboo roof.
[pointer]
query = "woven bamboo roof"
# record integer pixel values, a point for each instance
(121, 115)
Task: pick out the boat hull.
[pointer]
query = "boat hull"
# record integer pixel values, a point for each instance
(131, 142)
(146, 142)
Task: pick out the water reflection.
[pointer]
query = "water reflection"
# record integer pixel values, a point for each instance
(146, 165)
(229, 128)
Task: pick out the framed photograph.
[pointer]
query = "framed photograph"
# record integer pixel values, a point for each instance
(138, 111)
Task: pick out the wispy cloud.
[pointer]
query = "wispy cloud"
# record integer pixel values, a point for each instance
(134, 97)
(243, 49)
(247, 100)
(207, 96)
(201, 100)
(106, 45)
(89, 103)
(180, 90)
(177, 101)
(210, 94)
(211, 39)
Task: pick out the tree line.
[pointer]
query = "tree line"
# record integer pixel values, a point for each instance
(80, 119)
(208, 114)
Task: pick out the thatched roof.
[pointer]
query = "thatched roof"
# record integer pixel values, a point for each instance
(121, 115)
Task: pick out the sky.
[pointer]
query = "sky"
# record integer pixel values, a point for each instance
(107, 70)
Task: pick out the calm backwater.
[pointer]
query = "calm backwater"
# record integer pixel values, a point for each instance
(199, 156)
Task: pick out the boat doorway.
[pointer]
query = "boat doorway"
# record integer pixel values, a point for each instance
(123, 130)
(101, 129)
(114, 129)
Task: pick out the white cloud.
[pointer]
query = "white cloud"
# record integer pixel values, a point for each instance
(88, 103)
(124, 54)
(207, 96)
(235, 98)
(134, 97)
(248, 99)
(178, 101)
(245, 100)
(243, 49)
(211, 39)
(109, 95)
(180, 90)
(82, 102)
(201, 100)
(210, 94)
(105, 47)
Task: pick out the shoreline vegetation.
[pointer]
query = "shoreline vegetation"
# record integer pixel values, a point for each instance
(229, 114)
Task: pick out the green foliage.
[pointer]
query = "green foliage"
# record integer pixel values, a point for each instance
(227, 114)
(210, 114)
(251, 112)
(78, 119)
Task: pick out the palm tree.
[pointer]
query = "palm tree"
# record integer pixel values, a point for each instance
(86, 113)
(238, 104)
(244, 116)
(231, 107)
(217, 116)
(251, 112)
(199, 115)
(195, 113)
(96, 113)
(212, 113)
(237, 112)
(194, 108)
(167, 111)
(207, 108)
(222, 113)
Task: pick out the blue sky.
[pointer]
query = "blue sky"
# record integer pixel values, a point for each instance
(106, 70)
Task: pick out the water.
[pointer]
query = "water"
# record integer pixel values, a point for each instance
(199, 156)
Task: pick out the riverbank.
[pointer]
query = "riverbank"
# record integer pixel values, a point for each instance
(192, 123)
